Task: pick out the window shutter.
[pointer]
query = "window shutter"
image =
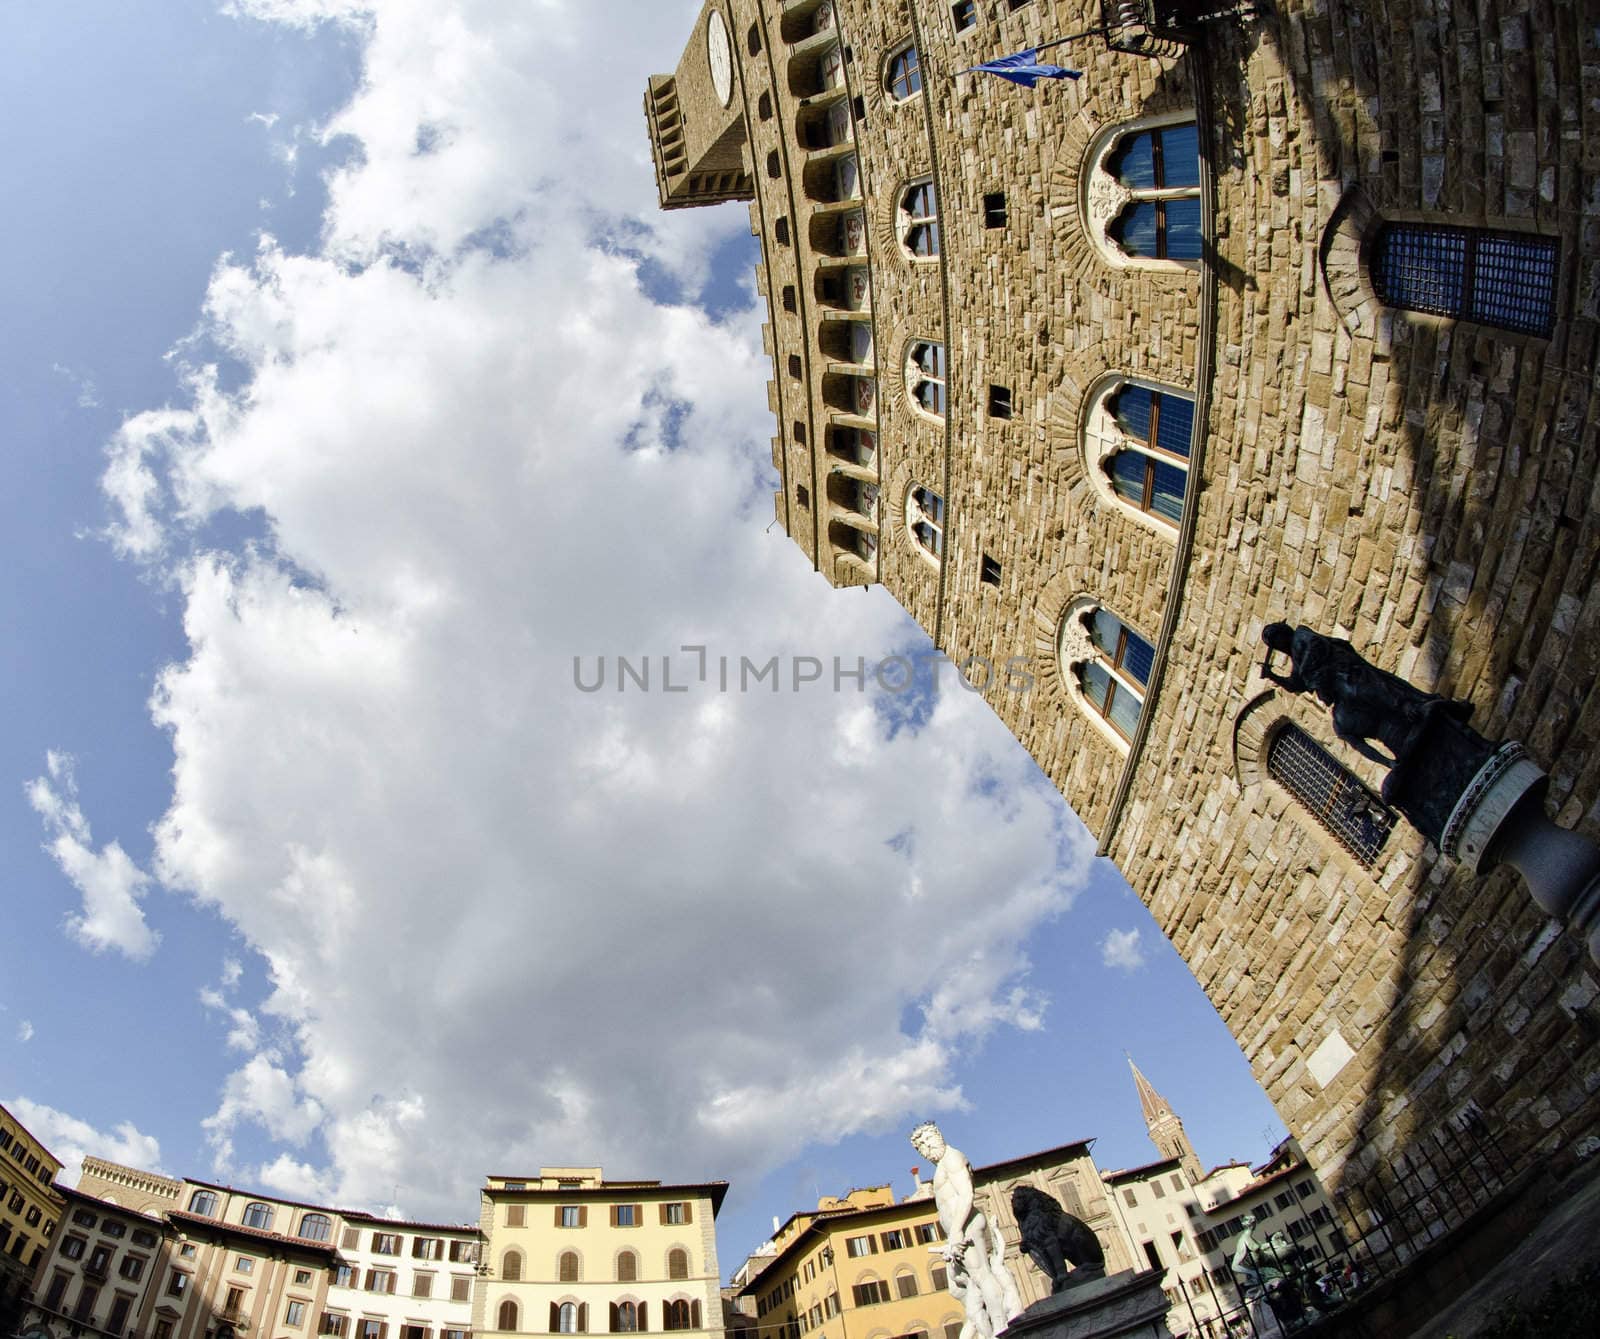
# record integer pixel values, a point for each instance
(644, 1318)
(614, 1209)
(613, 1318)
(583, 1215)
(583, 1318)
(352, 1238)
(688, 1211)
(694, 1315)
(638, 1215)
(555, 1313)
(661, 1210)
(558, 1215)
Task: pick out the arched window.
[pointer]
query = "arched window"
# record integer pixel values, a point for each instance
(507, 1318)
(925, 521)
(679, 1316)
(627, 1267)
(624, 1317)
(903, 76)
(1504, 279)
(316, 1227)
(919, 220)
(567, 1318)
(567, 1267)
(1356, 818)
(259, 1215)
(511, 1265)
(1136, 440)
(1143, 193)
(204, 1203)
(1108, 662)
(925, 377)
(677, 1263)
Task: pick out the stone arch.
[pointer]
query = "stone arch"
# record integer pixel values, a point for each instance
(1342, 256)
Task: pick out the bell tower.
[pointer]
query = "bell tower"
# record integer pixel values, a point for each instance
(1166, 1130)
(697, 118)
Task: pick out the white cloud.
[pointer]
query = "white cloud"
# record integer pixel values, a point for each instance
(679, 933)
(24, 1031)
(110, 883)
(244, 1032)
(1121, 949)
(72, 1140)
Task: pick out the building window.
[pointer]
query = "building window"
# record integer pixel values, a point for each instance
(999, 401)
(372, 1329)
(896, 1239)
(507, 1319)
(870, 1292)
(677, 1263)
(964, 14)
(1357, 819)
(1502, 279)
(516, 1215)
(463, 1251)
(681, 1315)
(178, 1284)
(678, 1212)
(567, 1318)
(627, 1267)
(72, 1248)
(567, 1267)
(460, 1288)
(624, 1318)
(258, 1215)
(203, 1203)
(187, 1250)
(422, 1285)
(626, 1215)
(989, 572)
(905, 1285)
(1142, 194)
(244, 1265)
(1110, 665)
(994, 209)
(925, 377)
(316, 1227)
(1136, 441)
(386, 1243)
(131, 1268)
(941, 1281)
(344, 1276)
(919, 220)
(109, 1228)
(295, 1314)
(57, 1289)
(511, 1265)
(380, 1281)
(1152, 1255)
(929, 1232)
(925, 524)
(904, 76)
(333, 1325)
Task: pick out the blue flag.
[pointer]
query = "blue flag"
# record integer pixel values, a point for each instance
(1024, 68)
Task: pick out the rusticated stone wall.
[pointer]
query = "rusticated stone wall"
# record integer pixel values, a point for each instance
(1425, 487)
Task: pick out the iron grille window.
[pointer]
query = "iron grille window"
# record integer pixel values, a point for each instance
(1357, 819)
(1495, 278)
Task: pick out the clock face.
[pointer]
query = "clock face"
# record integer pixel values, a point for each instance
(720, 55)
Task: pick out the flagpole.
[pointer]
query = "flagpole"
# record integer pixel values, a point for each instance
(1076, 37)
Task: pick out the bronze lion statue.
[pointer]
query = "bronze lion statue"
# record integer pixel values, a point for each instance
(1054, 1239)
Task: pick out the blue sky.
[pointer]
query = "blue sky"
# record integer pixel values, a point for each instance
(354, 386)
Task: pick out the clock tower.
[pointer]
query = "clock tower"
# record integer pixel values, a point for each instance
(696, 117)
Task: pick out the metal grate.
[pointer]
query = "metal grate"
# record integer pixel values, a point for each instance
(1497, 278)
(1357, 818)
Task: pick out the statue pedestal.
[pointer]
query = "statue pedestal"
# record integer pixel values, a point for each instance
(1122, 1304)
(1483, 805)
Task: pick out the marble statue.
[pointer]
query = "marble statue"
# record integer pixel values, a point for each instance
(1053, 1239)
(974, 1250)
(1274, 1273)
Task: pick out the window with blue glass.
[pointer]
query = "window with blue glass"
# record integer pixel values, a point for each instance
(919, 220)
(1160, 169)
(1496, 278)
(1151, 472)
(905, 74)
(1114, 682)
(925, 377)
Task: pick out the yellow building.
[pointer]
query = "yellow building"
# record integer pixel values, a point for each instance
(572, 1253)
(30, 1207)
(866, 1267)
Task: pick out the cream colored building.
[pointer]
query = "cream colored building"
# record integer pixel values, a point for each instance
(569, 1252)
(101, 1276)
(30, 1207)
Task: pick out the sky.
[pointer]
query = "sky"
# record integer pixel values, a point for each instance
(360, 411)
